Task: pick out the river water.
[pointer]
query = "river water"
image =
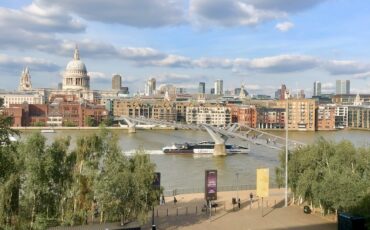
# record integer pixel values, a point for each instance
(188, 171)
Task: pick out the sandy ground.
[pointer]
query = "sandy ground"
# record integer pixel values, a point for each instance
(187, 214)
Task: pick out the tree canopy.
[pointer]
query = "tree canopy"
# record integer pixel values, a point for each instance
(45, 184)
(334, 176)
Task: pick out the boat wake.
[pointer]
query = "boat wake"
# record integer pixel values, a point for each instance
(147, 151)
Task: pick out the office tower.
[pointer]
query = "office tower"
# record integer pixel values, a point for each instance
(116, 82)
(150, 87)
(301, 94)
(60, 86)
(219, 87)
(277, 94)
(316, 88)
(342, 87)
(202, 87)
(212, 91)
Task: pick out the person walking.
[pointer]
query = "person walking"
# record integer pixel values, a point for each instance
(163, 200)
(174, 200)
(239, 203)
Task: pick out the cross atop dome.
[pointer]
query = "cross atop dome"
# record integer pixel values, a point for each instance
(76, 55)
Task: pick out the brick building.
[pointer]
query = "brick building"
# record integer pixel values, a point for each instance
(325, 117)
(270, 118)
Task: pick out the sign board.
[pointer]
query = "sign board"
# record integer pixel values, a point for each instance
(156, 180)
(263, 182)
(210, 191)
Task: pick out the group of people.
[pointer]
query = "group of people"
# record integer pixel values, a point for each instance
(162, 200)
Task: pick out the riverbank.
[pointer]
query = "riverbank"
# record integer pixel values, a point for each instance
(92, 128)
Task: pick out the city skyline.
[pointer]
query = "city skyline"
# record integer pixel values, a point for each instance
(261, 44)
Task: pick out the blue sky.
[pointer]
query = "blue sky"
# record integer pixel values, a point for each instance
(259, 43)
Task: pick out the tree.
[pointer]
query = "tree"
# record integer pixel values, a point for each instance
(124, 189)
(334, 176)
(108, 121)
(45, 185)
(39, 124)
(10, 165)
(89, 121)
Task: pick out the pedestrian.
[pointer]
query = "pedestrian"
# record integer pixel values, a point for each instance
(163, 200)
(174, 200)
(239, 203)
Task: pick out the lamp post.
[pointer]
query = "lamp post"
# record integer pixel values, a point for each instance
(286, 152)
(237, 186)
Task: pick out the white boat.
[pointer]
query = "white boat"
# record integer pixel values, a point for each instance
(204, 147)
(47, 131)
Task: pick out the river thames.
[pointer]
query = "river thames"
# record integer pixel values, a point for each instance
(188, 171)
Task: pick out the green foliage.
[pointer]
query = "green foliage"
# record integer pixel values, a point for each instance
(90, 122)
(334, 176)
(69, 123)
(39, 124)
(107, 121)
(45, 185)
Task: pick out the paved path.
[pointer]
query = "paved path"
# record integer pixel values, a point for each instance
(187, 214)
(274, 216)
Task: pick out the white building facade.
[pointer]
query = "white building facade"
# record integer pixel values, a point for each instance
(211, 115)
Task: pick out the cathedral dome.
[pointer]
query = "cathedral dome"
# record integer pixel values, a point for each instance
(76, 65)
(75, 76)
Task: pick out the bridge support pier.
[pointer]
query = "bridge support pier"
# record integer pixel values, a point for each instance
(131, 129)
(219, 150)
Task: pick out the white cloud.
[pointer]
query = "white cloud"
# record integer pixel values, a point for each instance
(229, 13)
(283, 63)
(340, 67)
(364, 75)
(173, 61)
(291, 6)
(284, 26)
(137, 13)
(34, 18)
(245, 12)
(213, 63)
(9, 64)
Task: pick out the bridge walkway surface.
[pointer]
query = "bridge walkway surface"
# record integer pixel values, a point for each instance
(251, 135)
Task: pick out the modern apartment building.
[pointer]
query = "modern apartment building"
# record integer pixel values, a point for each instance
(325, 117)
(301, 114)
(359, 117)
(341, 116)
(216, 115)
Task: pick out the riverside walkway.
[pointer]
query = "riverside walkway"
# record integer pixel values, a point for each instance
(187, 214)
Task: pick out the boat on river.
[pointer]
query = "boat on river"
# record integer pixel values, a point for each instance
(204, 147)
(47, 131)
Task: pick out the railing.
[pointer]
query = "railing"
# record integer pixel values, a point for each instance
(172, 191)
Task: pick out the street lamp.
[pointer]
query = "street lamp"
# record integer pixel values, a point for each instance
(237, 186)
(286, 151)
